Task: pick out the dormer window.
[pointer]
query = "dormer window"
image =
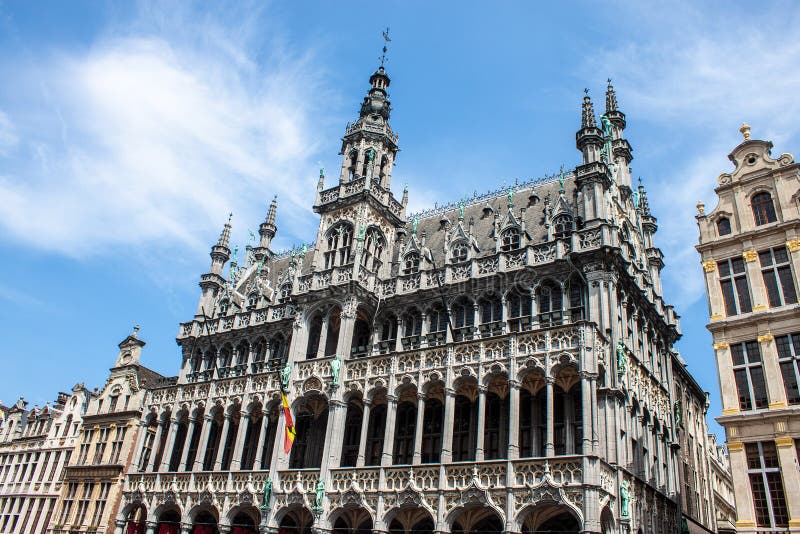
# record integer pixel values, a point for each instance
(724, 226)
(252, 300)
(511, 240)
(339, 245)
(763, 208)
(411, 263)
(460, 252)
(284, 293)
(563, 226)
(224, 306)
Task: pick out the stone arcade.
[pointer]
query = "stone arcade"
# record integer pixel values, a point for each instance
(500, 365)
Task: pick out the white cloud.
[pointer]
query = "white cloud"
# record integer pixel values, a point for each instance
(691, 82)
(153, 138)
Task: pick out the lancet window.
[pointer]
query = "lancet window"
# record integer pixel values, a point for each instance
(339, 240)
(511, 239)
(374, 244)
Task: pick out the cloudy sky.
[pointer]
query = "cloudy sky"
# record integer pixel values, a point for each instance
(129, 131)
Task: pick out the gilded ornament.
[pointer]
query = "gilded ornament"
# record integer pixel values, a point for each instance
(750, 255)
(793, 245)
(709, 266)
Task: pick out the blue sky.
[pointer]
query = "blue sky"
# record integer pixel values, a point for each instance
(129, 131)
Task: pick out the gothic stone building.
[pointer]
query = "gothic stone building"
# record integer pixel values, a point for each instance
(750, 251)
(502, 365)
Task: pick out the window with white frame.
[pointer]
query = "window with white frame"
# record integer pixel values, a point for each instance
(411, 263)
(777, 272)
(748, 372)
(460, 252)
(735, 290)
(789, 360)
(766, 484)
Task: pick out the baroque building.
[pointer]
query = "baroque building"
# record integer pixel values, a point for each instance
(499, 365)
(103, 448)
(35, 446)
(750, 251)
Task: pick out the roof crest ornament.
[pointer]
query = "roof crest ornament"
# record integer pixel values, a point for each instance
(386, 40)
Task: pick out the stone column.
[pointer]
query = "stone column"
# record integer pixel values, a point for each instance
(398, 346)
(758, 297)
(791, 477)
(388, 434)
(741, 486)
(588, 420)
(241, 433)
(513, 424)
(187, 443)
(447, 430)
(150, 527)
(323, 337)
(418, 430)
(362, 440)
(186, 528)
(262, 436)
(168, 446)
(119, 526)
(154, 450)
(728, 393)
(332, 450)
(481, 423)
(549, 442)
(423, 333)
(223, 441)
(202, 445)
(772, 372)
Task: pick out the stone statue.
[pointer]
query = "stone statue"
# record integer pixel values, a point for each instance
(676, 412)
(320, 491)
(336, 364)
(625, 497)
(621, 365)
(267, 494)
(414, 225)
(285, 373)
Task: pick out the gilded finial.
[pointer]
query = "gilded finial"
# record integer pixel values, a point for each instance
(386, 40)
(745, 129)
(701, 207)
(135, 331)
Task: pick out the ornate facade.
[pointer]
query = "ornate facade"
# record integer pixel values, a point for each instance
(35, 446)
(750, 251)
(91, 485)
(500, 365)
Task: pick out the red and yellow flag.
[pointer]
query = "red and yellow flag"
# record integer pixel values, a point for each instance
(288, 440)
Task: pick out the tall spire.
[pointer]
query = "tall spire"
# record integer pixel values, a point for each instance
(587, 115)
(644, 206)
(267, 230)
(611, 98)
(220, 253)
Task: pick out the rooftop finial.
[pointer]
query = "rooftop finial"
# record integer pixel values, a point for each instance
(135, 331)
(561, 179)
(611, 98)
(587, 115)
(225, 236)
(386, 40)
(745, 129)
(273, 208)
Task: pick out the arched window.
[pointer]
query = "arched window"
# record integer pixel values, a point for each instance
(411, 263)
(375, 432)
(224, 307)
(412, 328)
(432, 431)
(314, 335)
(763, 208)
(361, 336)
(491, 310)
(242, 353)
(405, 430)
(463, 312)
(724, 226)
(351, 169)
(260, 350)
(225, 357)
(374, 243)
(339, 241)
(387, 331)
(577, 308)
(252, 300)
(549, 299)
(197, 361)
(460, 252)
(437, 319)
(352, 433)
(519, 309)
(511, 239)
(277, 351)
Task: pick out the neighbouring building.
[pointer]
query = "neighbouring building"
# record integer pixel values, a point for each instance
(750, 248)
(103, 448)
(35, 446)
(498, 365)
(722, 484)
(696, 453)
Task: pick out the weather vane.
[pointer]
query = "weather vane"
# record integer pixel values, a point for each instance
(386, 39)
(586, 91)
